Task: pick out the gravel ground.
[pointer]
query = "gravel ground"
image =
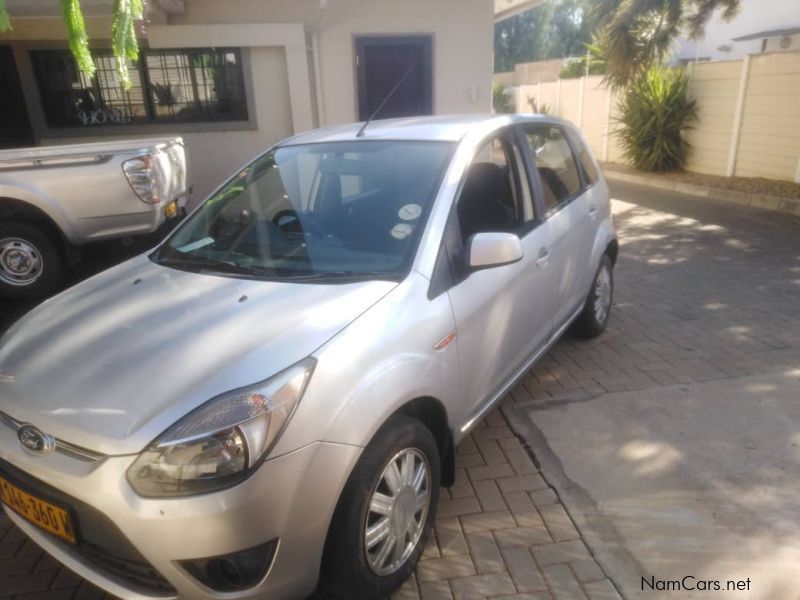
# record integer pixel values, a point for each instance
(750, 185)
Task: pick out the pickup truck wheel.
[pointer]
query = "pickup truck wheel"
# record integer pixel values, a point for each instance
(594, 318)
(30, 263)
(384, 515)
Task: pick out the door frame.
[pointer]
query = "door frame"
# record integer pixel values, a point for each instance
(361, 42)
(26, 116)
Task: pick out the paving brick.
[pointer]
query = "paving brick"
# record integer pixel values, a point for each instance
(486, 521)
(28, 582)
(450, 537)
(561, 552)
(558, 522)
(527, 483)
(489, 495)
(602, 590)
(543, 497)
(491, 452)
(435, 590)
(522, 509)
(490, 472)
(458, 506)
(492, 433)
(587, 570)
(485, 553)
(407, 591)
(534, 596)
(563, 583)
(515, 537)
(520, 461)
(18, 565)
(461, 488)
(481, 586)
(438, 569)
(523, 570)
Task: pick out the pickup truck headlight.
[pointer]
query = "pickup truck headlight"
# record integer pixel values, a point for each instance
(146, 176)
(223, 441)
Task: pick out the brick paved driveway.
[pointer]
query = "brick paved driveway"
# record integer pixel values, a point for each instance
(695, 301)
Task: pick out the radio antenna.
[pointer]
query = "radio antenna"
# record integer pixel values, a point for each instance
(385, 100)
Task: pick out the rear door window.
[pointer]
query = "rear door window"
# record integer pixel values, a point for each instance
(555, 164)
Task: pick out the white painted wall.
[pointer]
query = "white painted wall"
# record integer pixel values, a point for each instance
(754, 16)
(284, 99)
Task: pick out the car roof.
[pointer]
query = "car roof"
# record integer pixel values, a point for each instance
(451, 128)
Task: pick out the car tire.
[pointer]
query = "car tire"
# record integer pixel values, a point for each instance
(354, 568)
(596, 311)
(31, 265)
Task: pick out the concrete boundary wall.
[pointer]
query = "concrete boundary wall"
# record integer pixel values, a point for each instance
(748, 115)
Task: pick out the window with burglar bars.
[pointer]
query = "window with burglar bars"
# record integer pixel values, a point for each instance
(194, 85)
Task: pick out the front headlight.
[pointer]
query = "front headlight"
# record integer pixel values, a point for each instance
(220, 443)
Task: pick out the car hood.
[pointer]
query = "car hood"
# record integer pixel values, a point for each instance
(112, 362)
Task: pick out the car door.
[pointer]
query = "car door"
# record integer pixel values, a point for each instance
(567, 213)
(502, 314)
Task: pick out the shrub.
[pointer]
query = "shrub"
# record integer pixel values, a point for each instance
(536, 107)
(502, 102)
(655, 112)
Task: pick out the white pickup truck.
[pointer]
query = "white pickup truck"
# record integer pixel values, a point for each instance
(53, 199)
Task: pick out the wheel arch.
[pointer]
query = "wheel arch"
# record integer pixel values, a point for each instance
(432, 413)
(20, 211)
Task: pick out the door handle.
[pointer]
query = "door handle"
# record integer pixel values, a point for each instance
(592, 211)
(544, 255)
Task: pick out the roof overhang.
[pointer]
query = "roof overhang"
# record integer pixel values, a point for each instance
(767, 34)
(91, 8)
(504, 9)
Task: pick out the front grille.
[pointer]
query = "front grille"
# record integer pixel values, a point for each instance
(99, 540)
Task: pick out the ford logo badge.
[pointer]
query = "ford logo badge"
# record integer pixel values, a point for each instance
(35, 441)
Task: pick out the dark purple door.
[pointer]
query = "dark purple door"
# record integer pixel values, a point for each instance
(383, 61)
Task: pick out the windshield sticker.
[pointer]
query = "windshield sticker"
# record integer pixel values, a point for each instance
(196, 245)
(401, 231)
(410, 212)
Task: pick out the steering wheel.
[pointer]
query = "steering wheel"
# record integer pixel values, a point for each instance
(295, 225)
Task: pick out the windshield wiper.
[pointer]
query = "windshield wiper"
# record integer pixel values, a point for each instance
(345, 276)
(212, 265)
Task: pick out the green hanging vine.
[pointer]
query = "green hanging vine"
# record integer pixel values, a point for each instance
(5, 22)
(125, 45)
(77, 38)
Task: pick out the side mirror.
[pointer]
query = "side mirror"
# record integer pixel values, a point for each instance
(486, 250)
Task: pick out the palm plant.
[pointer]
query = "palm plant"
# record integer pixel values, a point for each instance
(124, 43)
(635, 34)
(655, 112)
(502, 102)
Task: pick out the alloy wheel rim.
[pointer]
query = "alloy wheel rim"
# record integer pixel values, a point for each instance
(602, 295)
(20, 262)
(398, 509)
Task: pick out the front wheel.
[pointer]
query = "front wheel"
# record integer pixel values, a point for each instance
(384, 515)
(597, 309)
(30, 263)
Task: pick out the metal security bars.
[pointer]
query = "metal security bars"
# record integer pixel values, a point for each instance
(194, 85)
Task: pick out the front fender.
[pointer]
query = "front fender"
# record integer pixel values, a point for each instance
(381, 361)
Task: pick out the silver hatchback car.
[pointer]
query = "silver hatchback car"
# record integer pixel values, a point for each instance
(266, 405)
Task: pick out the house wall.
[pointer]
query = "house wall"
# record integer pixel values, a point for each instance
(748, 115)
(285, 94)
(754, 16)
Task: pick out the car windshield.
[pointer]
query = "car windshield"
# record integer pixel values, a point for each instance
(326, 211)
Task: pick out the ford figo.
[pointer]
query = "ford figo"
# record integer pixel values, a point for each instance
(266, 405)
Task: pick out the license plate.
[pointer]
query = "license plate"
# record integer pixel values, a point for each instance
(44, 515)
(171, 209)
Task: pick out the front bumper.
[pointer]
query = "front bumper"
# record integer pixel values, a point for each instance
(291, 498)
